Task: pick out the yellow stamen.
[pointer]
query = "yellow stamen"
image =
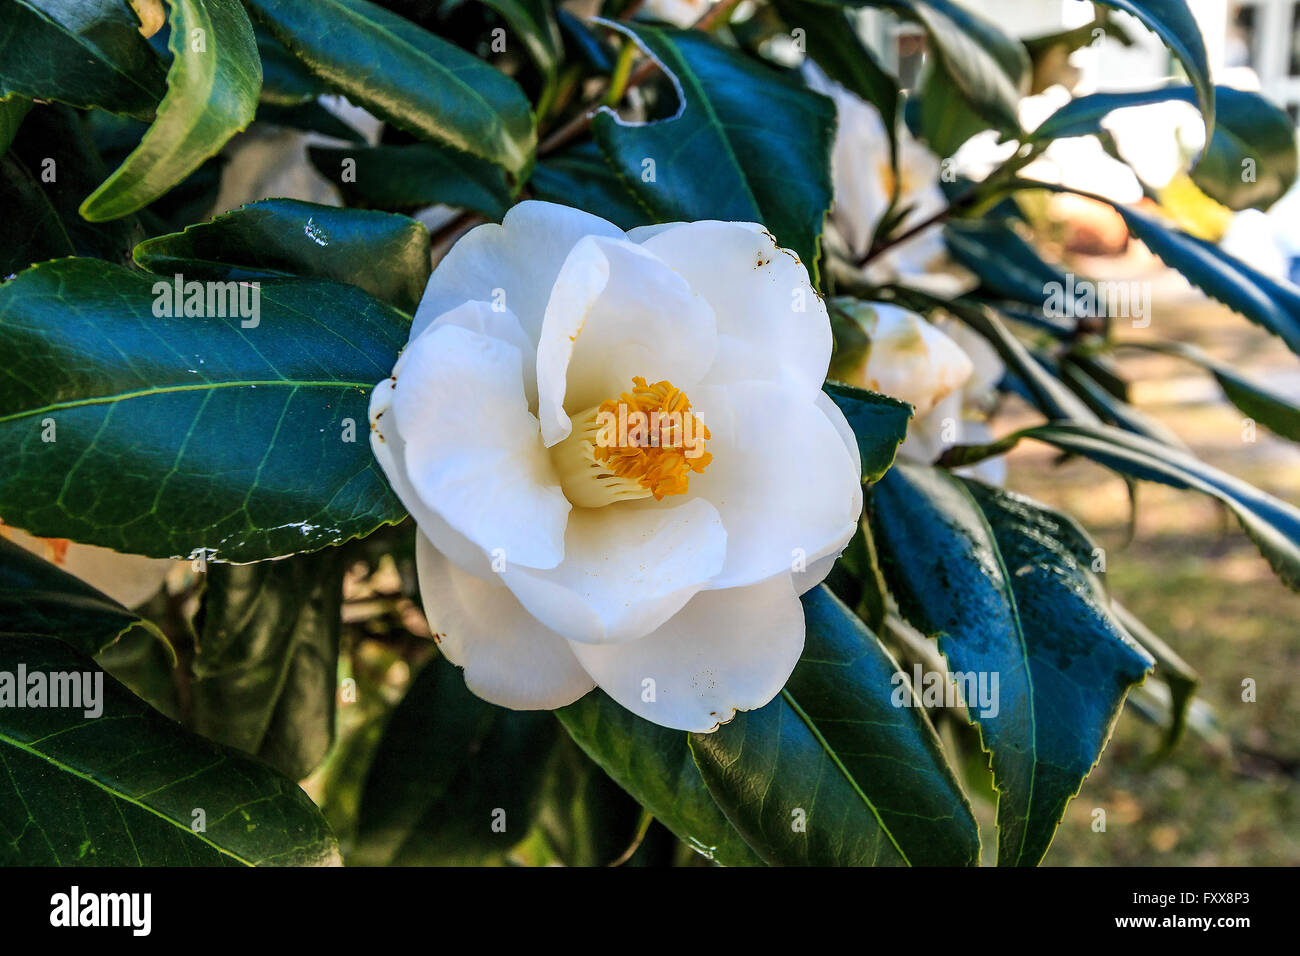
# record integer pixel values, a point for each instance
(645, 442)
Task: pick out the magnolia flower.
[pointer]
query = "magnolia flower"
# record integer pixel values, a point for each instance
(621, 462)
(862, 175)
(129, 579)
(947, 372)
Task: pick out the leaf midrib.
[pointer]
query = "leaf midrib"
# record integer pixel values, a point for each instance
(118, 795)
(197, 387)
(834, 757)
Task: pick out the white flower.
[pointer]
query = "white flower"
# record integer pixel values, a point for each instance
(680, 13)
(556, 551)
(947, 372)
(129, 579)
(862, 175)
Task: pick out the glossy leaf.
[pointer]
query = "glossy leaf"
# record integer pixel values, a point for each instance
(127, 787)
(845, 752)
(878, 421)
(386, 255)
(50, 168)
(212, 89)
(710, 160)
(455, 780)
(266, 658)
(408, 177)
(407, 76)
(534, 23)
(187, 434)
(995, 578)
(86, 53)
(655, 766)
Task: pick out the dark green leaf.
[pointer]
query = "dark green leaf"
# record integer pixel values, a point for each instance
(1113, 410)
(175, 435)
(989, 67)
(711, 160)
(86, 53)
(655, 766)
(386, 255)
(1272, 303)
(878, 421)
(585, 818)
(285, 80)
(12, 110)
(455, 780)
(212, 89)
(130, 787)
(266, 658)
(534, 23)
(50, 168)
(580, 177)
(39, 599)
(842, 769)
(407, 76)
(1273, 525)
(945, 118)
(996, 579)
(407, 177)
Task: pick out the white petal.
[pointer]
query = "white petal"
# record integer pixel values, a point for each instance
(772, 326)
(498, 323)
(473, 450)
(627, 568)
(815, 572)
(725, 651)
(861, 165)
(616, 311)
(390, 451)
(518, 259)
(787, 487)
(929, 435)
(910, 359)
(509, 657)
(987, 365)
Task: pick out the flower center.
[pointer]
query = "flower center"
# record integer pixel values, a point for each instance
(644, 442)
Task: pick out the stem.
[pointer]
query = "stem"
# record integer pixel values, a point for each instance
(622, 71)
